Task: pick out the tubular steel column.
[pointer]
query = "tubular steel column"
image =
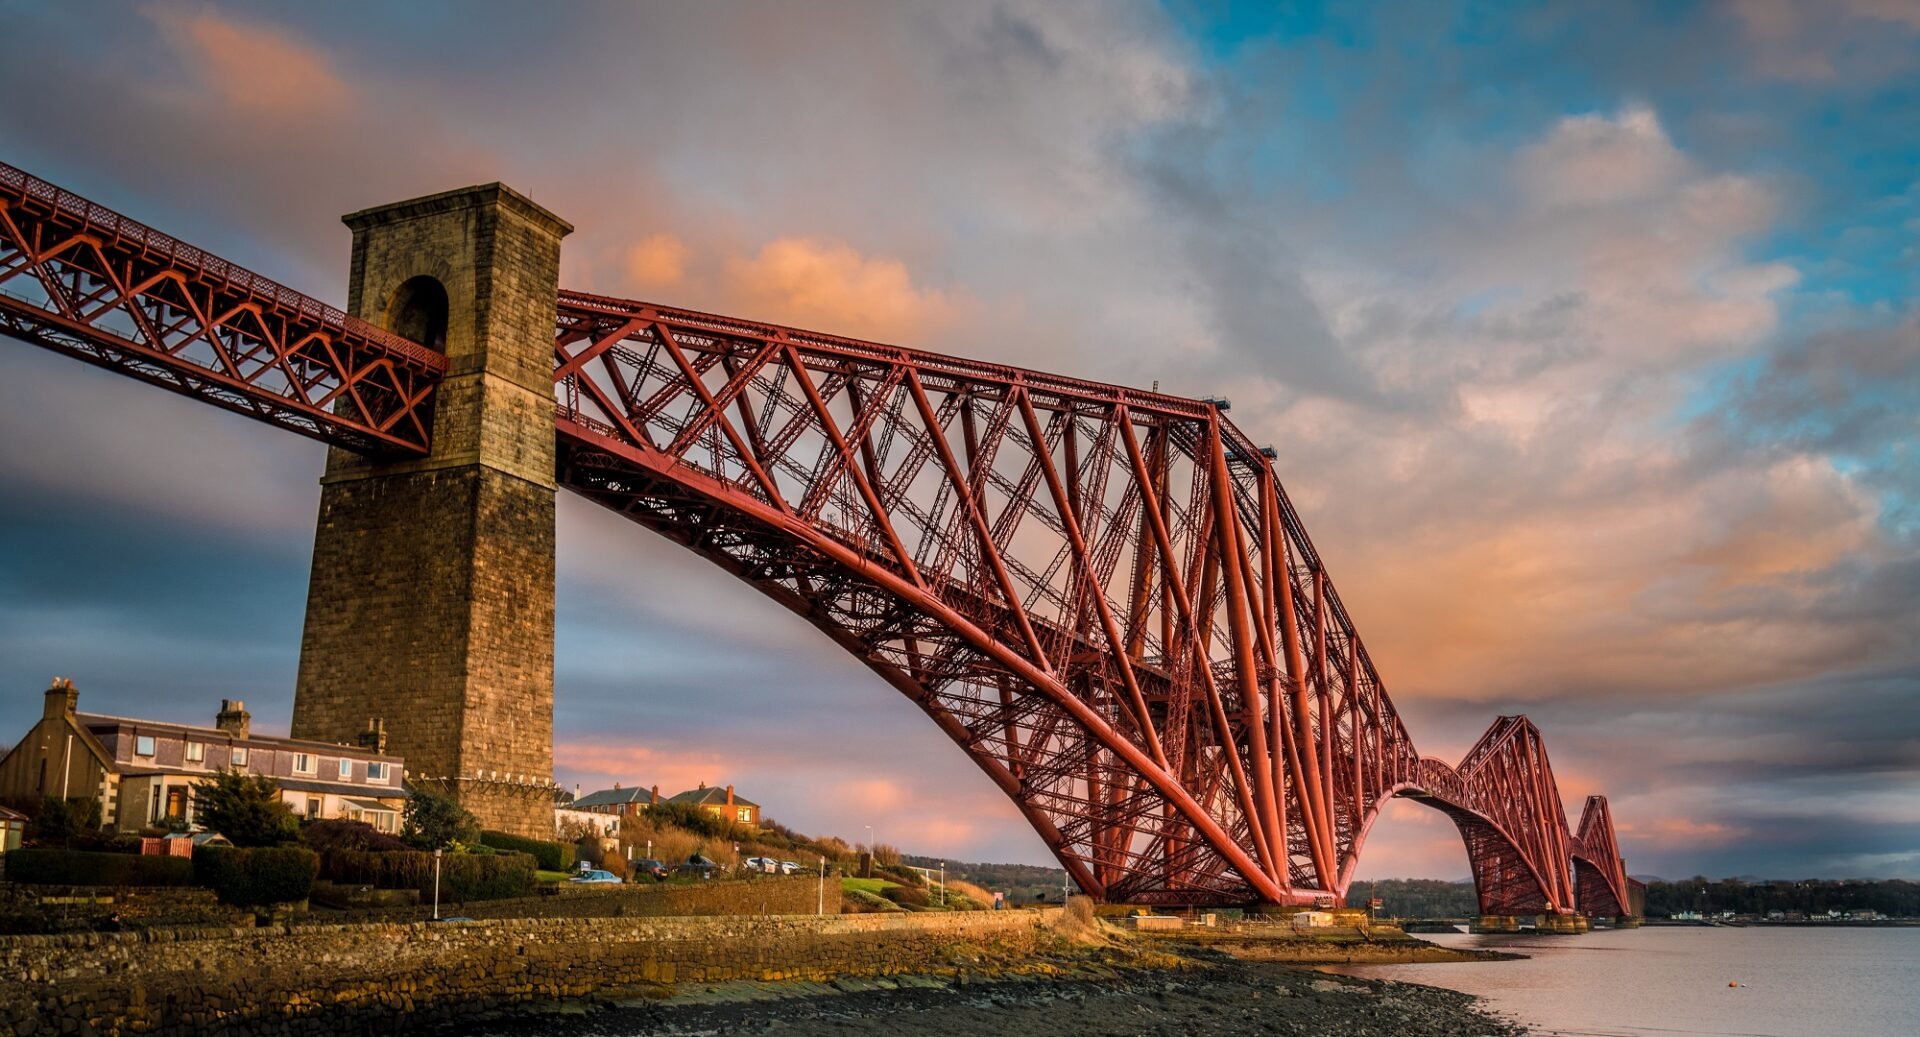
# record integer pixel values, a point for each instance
(431, 601)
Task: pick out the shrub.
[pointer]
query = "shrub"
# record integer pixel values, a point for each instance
(256, 876)
(246, 809)
(87, 868)
(859, 901)
(549, 856)
(63, 820)
(907, 896)
(436, 820)
(463, 876)
(324, 837)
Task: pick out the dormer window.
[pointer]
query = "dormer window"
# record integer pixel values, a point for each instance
(303, 763)
(346, 769)
(196, 752)
(143, 745)
(376, 773)
(239, 756)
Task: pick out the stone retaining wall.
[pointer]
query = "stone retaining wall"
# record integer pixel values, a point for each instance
(321, 979)
(771, 895)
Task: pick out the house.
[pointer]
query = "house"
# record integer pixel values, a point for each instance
(618, 801)
(142, 772)
(721, 803)
(13, 828)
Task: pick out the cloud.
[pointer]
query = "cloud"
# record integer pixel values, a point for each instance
(1598, 160)
(655, 262)
(257, 69)
(1813, 43)
(828, 285)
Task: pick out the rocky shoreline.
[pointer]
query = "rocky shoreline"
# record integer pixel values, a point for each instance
(1202, 995)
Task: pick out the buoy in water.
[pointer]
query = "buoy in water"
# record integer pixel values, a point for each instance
(1733, 982)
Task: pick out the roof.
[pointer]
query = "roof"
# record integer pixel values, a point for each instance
(613, 797)
(707, 796)
(372, 804)
(106, 720)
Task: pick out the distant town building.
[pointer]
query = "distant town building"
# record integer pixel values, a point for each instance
(142, 772)
(721, 803)
(622, 802)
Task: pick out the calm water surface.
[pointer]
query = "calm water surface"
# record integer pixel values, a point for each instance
(1672, 981)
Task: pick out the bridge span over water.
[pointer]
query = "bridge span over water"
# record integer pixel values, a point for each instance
(1102, 595)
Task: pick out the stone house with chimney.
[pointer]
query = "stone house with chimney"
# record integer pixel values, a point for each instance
(142, 772)
(721, 803)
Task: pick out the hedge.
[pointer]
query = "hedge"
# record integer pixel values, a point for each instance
(57, 867)
(549, 856)
(463, 876)
(256, 876)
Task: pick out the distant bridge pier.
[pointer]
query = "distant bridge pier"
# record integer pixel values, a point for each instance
(431, 599)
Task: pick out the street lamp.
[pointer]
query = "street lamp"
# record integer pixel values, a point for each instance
(943, 883)
(436, 883)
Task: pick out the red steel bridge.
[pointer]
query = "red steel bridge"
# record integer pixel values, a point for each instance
(1103, 595)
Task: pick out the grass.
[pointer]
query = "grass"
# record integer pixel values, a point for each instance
(873, 886)
(552, 876)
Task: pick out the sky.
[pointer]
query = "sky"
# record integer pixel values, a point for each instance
(1583, 333)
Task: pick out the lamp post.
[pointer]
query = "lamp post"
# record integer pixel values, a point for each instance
(822, 909)
(436, 883)
(943, 883)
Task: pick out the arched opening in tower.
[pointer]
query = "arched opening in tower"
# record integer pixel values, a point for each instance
(419, 312)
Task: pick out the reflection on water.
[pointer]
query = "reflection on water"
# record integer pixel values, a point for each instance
(1670, 981)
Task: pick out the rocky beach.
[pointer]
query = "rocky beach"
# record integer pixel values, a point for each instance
(1204, 995)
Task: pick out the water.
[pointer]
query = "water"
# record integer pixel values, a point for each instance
(1672, 981)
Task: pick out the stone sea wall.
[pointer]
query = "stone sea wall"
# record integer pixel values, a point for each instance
(317, 979)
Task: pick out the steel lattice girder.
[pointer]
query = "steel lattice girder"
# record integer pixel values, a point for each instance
(1103, 595)
(83, 280)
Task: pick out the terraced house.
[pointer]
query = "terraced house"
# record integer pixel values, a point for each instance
(142, 772)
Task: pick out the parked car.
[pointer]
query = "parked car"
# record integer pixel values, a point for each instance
(595, 875)
(650, 867)
(699, 867)
(790, 867)
(764, 865)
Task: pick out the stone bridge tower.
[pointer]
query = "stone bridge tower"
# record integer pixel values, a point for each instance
(431, 601)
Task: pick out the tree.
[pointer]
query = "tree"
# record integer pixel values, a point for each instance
(435, 820)
(245, 808)
(62, 820)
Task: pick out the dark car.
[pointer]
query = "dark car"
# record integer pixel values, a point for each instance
(650, 867)
(699, 867)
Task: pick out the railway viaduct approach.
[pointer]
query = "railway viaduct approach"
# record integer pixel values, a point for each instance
(1102, 595)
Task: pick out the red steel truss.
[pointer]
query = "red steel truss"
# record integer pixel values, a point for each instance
(81, 279)
(1104, 596)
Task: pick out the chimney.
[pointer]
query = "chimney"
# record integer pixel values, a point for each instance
(729, 795)
(62, 699)
(374, 738)
(655, 800)
(233, 718)
(616, 786)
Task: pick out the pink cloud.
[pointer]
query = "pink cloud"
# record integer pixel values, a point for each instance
(252, 67)
(828, 285)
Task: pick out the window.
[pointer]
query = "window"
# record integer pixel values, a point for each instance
(376, 773)
(744, 815)
(143, 745)
(346, 769)
(303, 763)
(196, 753)
(239, 756)
(313, 807)
(176, 803)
